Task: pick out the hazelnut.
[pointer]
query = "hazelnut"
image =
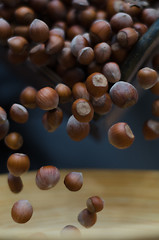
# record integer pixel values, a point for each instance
(77, 44)
(102, 52)
(47, 177)
(120, 135)
(79, 90)
(24, 15)
(97, 84)
(3, 116)
(18, 163)
(151, 129)
(28, 97)
(102, 105)
(4, 128)
(39, 31)
(95, 204)
(47, 98)
(121, 20)
(64, 92)
(73, 181)
(70, 231)
(14, 140)
(76, 130)
(15, 183)
(19, 113)
(82, 110)
(147, 77)
(123, 94)
(85, 56)
(100, 31)
(112, 72)
(5, 30)
(18, 44)
(52, 119)
(86, 218)
(22, 211)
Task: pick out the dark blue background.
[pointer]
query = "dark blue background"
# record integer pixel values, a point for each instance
(59, 150)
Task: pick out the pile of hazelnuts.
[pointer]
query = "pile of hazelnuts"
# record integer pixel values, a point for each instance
(84, 43)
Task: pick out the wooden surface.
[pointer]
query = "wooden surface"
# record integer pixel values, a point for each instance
(131, 206)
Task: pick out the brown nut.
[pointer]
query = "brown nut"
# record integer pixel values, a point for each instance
(123, 94)
(18, 163)
(86, 218)
(95, 204)
(47, 98)
(147, 77)
(19, 113)
(52, 119)
(39, 31)
(22, 211)
(76, 130)
(151, 130)
(47, 177)
(15, 183)
(28, 97)
(112, 72)
(97, 84)
(82, 110)
(120, 135)
(74, 181)
(13, 140)
(3, 115)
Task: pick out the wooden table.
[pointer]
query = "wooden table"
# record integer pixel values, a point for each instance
(131, 206)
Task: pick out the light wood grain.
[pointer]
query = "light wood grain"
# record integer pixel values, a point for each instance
(131, 206)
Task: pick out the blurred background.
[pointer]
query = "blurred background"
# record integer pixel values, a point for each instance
(58, 149)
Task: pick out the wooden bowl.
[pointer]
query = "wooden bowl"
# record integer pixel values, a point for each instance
(131, 206)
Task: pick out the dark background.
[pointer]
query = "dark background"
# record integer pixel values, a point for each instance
(59, 150)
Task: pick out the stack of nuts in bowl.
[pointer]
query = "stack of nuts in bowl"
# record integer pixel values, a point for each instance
(84, 42)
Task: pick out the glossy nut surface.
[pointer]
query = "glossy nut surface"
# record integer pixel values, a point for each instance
(28, 97)
(14, 140)
(74, 181)
(79, 90)
(82, 110)
(76, 130)
(52, 119)
(47, 98)
(97, 84)
(39, 31)
(47, 177)
(18, 163)
(100, 31)
(147, 77)
(95, 204)
(86, 218)
(19, 113)
(15, 183)
(120, 135)
(22, 211)
(121, 20)
(64, 92)
(17, 44)
(85, 56)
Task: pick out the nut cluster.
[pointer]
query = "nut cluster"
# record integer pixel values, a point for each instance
(84, 43)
